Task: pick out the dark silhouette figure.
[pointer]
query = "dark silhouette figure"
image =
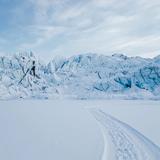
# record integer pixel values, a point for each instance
(33, 69)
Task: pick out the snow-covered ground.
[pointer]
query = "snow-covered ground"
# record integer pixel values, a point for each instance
(122, 142)
(79, 130)
(47, 130)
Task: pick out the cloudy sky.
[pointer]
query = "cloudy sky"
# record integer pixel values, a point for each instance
(68, 27)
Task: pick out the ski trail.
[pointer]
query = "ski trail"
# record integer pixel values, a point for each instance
(122, 142)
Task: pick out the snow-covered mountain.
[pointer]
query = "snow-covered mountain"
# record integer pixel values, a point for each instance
(86, 76)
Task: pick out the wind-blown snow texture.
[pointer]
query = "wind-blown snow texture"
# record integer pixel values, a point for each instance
(87, 76)
(121, 142)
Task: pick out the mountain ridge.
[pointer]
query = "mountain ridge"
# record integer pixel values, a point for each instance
(84, 76)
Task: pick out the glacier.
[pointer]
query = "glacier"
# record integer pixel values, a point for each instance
(84, 76)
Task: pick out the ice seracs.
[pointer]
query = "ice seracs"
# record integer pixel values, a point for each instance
(85, 76)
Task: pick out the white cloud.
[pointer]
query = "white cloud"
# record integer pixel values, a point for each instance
(41, 9)
(42, 34)
(104, 26)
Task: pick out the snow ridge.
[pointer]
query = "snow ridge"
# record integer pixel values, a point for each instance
(124, 142)
(86, 76)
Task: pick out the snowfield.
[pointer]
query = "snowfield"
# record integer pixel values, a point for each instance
(47, 130)
(79, 130)
(124, 142)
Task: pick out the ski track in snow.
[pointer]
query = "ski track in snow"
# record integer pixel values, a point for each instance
(122, 142)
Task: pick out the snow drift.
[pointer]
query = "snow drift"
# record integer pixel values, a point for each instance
(86, 76)
(122, 142)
